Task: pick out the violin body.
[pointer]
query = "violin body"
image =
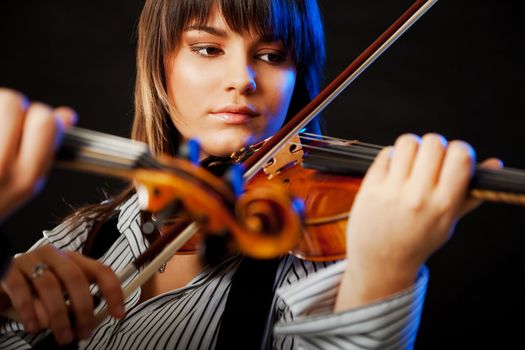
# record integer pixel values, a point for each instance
(327, 201)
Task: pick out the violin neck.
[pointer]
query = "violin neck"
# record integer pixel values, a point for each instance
(102, 153)
(497, 185)
(505, 185)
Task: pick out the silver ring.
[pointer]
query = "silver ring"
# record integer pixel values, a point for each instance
(38, 270)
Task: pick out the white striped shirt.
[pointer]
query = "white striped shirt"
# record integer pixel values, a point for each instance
(189, 317)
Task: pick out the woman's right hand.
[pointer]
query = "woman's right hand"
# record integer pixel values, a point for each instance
(38, 281)
(29, 135)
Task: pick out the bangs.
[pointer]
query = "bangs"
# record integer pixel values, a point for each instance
(295, 23)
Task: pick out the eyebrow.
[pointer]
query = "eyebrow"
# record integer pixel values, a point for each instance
(222, 33)
(211, 30)
(269, 39)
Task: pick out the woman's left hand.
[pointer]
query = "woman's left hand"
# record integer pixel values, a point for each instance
(406, 209)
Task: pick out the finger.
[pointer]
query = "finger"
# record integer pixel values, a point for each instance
(458, 166)
(41, 314)
(379, 168)
(403, 157)
(16, 287)
(67, 115)
(105, 279)
(12, 110)
(74, 281)
(51, 295)
(492, 163)
(472, 203)
(37, 147)
(428, 162)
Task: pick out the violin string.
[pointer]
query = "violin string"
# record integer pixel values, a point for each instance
(510, 171)
(320, 138)
(500, 178)
(97, 139)
(354, 144)
(315, 137)
(133, 152)
(97, 147)
(355, 149)
(352, 148)
(366, 156)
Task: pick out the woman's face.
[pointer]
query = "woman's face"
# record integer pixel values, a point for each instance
(228, 89)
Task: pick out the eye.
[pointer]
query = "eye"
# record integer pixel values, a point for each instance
(207, 51)
(272, 57)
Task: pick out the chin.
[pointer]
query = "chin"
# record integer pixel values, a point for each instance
(222, 147)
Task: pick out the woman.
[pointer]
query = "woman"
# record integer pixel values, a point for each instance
(229, 73)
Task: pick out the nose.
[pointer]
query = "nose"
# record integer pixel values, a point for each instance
(241, 78)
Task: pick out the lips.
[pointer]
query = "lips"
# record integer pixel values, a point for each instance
(235, 114)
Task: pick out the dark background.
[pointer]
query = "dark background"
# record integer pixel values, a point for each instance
(459, 71)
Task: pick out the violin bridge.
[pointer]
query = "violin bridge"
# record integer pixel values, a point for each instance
(289, 155)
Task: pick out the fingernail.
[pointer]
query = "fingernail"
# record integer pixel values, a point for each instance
(74, 119)
(25, 103)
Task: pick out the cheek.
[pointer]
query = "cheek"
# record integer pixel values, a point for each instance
(281, 97)
(188, 86)
(185, 86)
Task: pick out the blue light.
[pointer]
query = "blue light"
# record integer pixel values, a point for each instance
(298, 206)
(194, 151)
(234, 177)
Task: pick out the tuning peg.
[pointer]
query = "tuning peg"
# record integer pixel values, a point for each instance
(234, 178)
(190, 150)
